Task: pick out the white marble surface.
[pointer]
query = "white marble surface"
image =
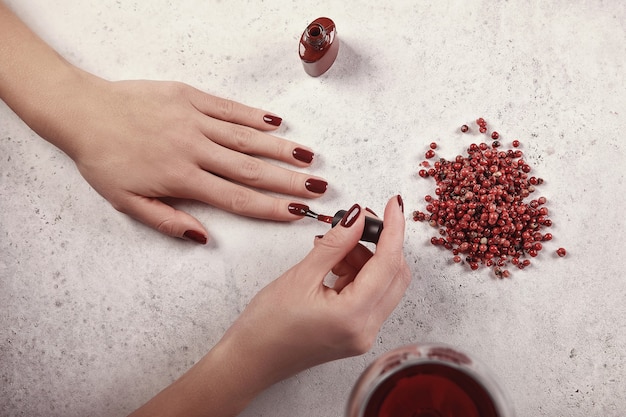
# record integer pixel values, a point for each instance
(99, 312)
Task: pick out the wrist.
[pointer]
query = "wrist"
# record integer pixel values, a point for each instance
(54, 107)
(238, 373)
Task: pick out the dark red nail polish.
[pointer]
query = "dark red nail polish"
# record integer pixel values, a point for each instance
(400, 202)
(195, 236)
(319, 236)
(316, 186)
(371, 211)
(272, 120)
(351, 215)
(303, 155)
(319, 46)
(298, 209)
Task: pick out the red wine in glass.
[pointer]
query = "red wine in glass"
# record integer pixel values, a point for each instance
(427, 381)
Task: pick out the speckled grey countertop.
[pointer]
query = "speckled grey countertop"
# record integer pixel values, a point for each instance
(98, 312)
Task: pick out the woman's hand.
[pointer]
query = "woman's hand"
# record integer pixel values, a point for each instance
(138, 142)
(297, 322)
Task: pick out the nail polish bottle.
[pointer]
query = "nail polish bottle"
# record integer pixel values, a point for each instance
(372, 230)
(319, 46)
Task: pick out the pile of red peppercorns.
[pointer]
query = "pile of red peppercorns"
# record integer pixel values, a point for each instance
(479, 205)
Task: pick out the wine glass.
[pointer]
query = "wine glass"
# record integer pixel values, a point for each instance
(427, 380)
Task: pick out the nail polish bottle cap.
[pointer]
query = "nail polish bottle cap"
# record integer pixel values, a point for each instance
(371, 231)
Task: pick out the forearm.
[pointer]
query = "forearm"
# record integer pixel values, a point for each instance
(219, 385)
(35, 81)
(222, 384)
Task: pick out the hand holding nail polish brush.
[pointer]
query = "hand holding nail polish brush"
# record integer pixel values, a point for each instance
(371, 231)
(262, 347)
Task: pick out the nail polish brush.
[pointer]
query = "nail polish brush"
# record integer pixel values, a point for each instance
(371, 231)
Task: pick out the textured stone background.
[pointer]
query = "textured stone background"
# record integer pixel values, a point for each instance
(98, 312)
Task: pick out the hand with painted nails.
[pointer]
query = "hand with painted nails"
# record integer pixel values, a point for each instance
(297, 321)
(176, 141)
(137, 142)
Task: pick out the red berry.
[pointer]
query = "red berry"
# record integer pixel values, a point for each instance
(480, 206)
(464, 128)
(561, 252)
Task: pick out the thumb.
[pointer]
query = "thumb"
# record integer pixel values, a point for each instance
(164, 218)
(337, 243)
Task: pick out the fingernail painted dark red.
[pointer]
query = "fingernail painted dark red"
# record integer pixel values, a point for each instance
(371, 211)
(195, 236)
(298, 209)
(401, 202)
(351, 215)
(272, 120)
(316, 186)
(303, 155)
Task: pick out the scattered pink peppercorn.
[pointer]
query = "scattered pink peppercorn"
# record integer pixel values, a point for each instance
(480, 206)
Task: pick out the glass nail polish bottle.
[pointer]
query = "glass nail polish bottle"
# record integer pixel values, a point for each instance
(319, 46)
